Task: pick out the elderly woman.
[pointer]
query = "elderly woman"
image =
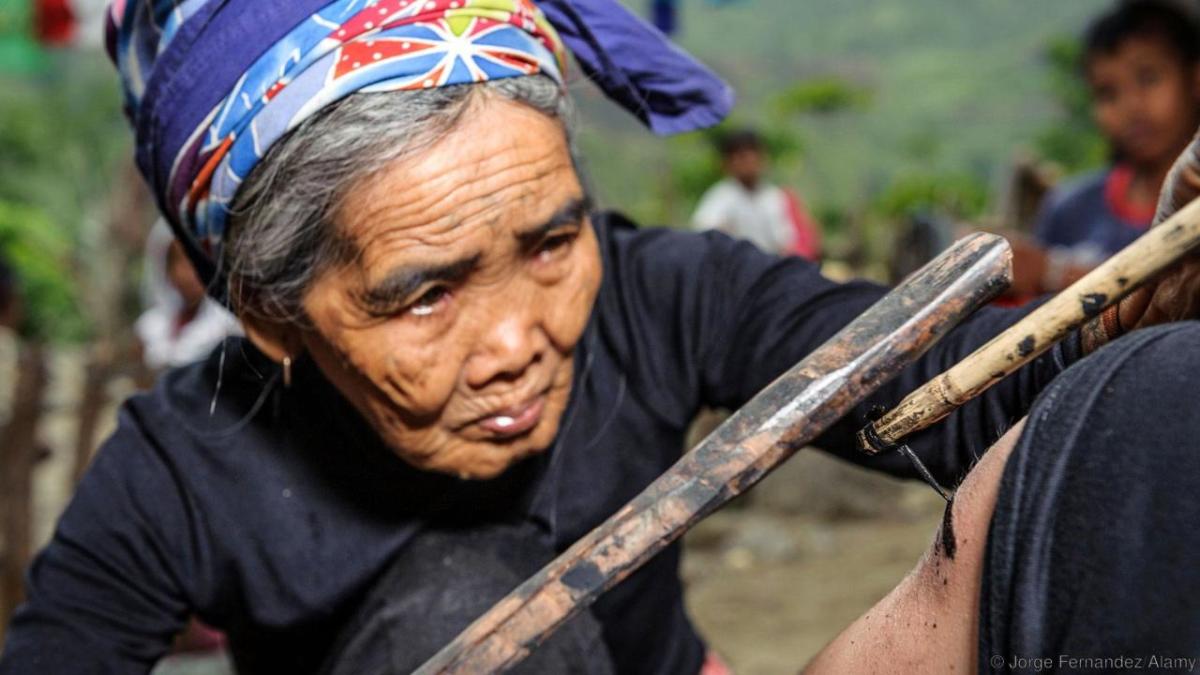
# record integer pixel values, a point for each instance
(454, 366)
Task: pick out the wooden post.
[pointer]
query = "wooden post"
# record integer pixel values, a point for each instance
(18, 454)
(91, 402)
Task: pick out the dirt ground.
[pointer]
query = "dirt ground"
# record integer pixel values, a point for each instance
(772, 581)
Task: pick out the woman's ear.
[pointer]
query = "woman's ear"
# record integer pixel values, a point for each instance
(275, 339)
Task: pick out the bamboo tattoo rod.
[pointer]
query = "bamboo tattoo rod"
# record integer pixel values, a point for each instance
(792, 411)
(1119, 276)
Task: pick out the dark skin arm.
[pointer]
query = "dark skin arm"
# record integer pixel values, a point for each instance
(930, 621)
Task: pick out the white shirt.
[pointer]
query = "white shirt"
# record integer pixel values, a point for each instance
(759, 216)
(163, 347)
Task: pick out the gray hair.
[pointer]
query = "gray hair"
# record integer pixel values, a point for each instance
(282, 233)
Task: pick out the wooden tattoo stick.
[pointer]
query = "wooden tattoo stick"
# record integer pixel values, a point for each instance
(1120, 275)
(787, 415)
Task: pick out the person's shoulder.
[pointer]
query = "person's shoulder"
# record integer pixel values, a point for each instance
(175, 446)
(668, 269)
(624, 239)
(180, 390)
(137, 470)
(774, 190)
(723, 188)
(718, 198)
(1084, 189)
(663, 251)
(1159, 358)
(1071, 208)
(621, 233)
(188, 405)
(1159, 364)
(646, 268)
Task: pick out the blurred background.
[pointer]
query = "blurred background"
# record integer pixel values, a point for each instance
(900, 122)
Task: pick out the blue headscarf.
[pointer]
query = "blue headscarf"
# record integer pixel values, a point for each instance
(211, 84)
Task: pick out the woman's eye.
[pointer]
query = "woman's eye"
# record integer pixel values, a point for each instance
(553, 245)
(428, 302)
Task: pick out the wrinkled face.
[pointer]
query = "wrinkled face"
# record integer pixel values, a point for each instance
(452, 331)
(1145, 99)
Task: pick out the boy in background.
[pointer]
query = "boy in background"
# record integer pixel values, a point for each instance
(181, 323)
(1142, 65)
(745, 205)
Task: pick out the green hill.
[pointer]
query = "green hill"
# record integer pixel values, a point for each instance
(957, 86)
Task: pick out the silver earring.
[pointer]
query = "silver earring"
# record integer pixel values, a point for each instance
(287, 372)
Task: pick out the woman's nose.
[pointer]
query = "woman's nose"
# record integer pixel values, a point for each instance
(508, 346)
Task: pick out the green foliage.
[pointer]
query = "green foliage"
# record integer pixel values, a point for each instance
(61, 138)
(1072, 140)
(40, 255)
(694, 165)
(61, 135)
(19, 53)
(821, 95)
(834, 220)
(1064, 55)
(925, 87)
(961, 195)
(1074, 149)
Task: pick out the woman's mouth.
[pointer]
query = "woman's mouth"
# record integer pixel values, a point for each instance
(516, 420)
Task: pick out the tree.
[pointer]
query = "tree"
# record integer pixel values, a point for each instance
(62, 139)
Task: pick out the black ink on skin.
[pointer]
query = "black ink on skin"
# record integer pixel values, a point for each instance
(946, 541)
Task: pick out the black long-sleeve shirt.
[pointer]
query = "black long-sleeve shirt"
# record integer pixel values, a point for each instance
(271, 517)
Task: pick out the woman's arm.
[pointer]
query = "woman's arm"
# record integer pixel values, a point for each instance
(105, 595)
(712, 321)
(930, 621)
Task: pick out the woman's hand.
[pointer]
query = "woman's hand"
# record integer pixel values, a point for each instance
(1175, 295)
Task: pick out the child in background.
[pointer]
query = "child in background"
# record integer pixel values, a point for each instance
(181, 324)
(1142, 64)
(745, 205)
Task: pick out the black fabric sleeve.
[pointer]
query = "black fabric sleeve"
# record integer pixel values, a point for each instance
(105, 595)
(1091, 560)
(730, 319)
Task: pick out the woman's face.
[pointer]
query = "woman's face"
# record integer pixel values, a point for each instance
(1146, 100)
(453, 329)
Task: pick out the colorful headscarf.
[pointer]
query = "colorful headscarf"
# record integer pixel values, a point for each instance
(210, 85)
